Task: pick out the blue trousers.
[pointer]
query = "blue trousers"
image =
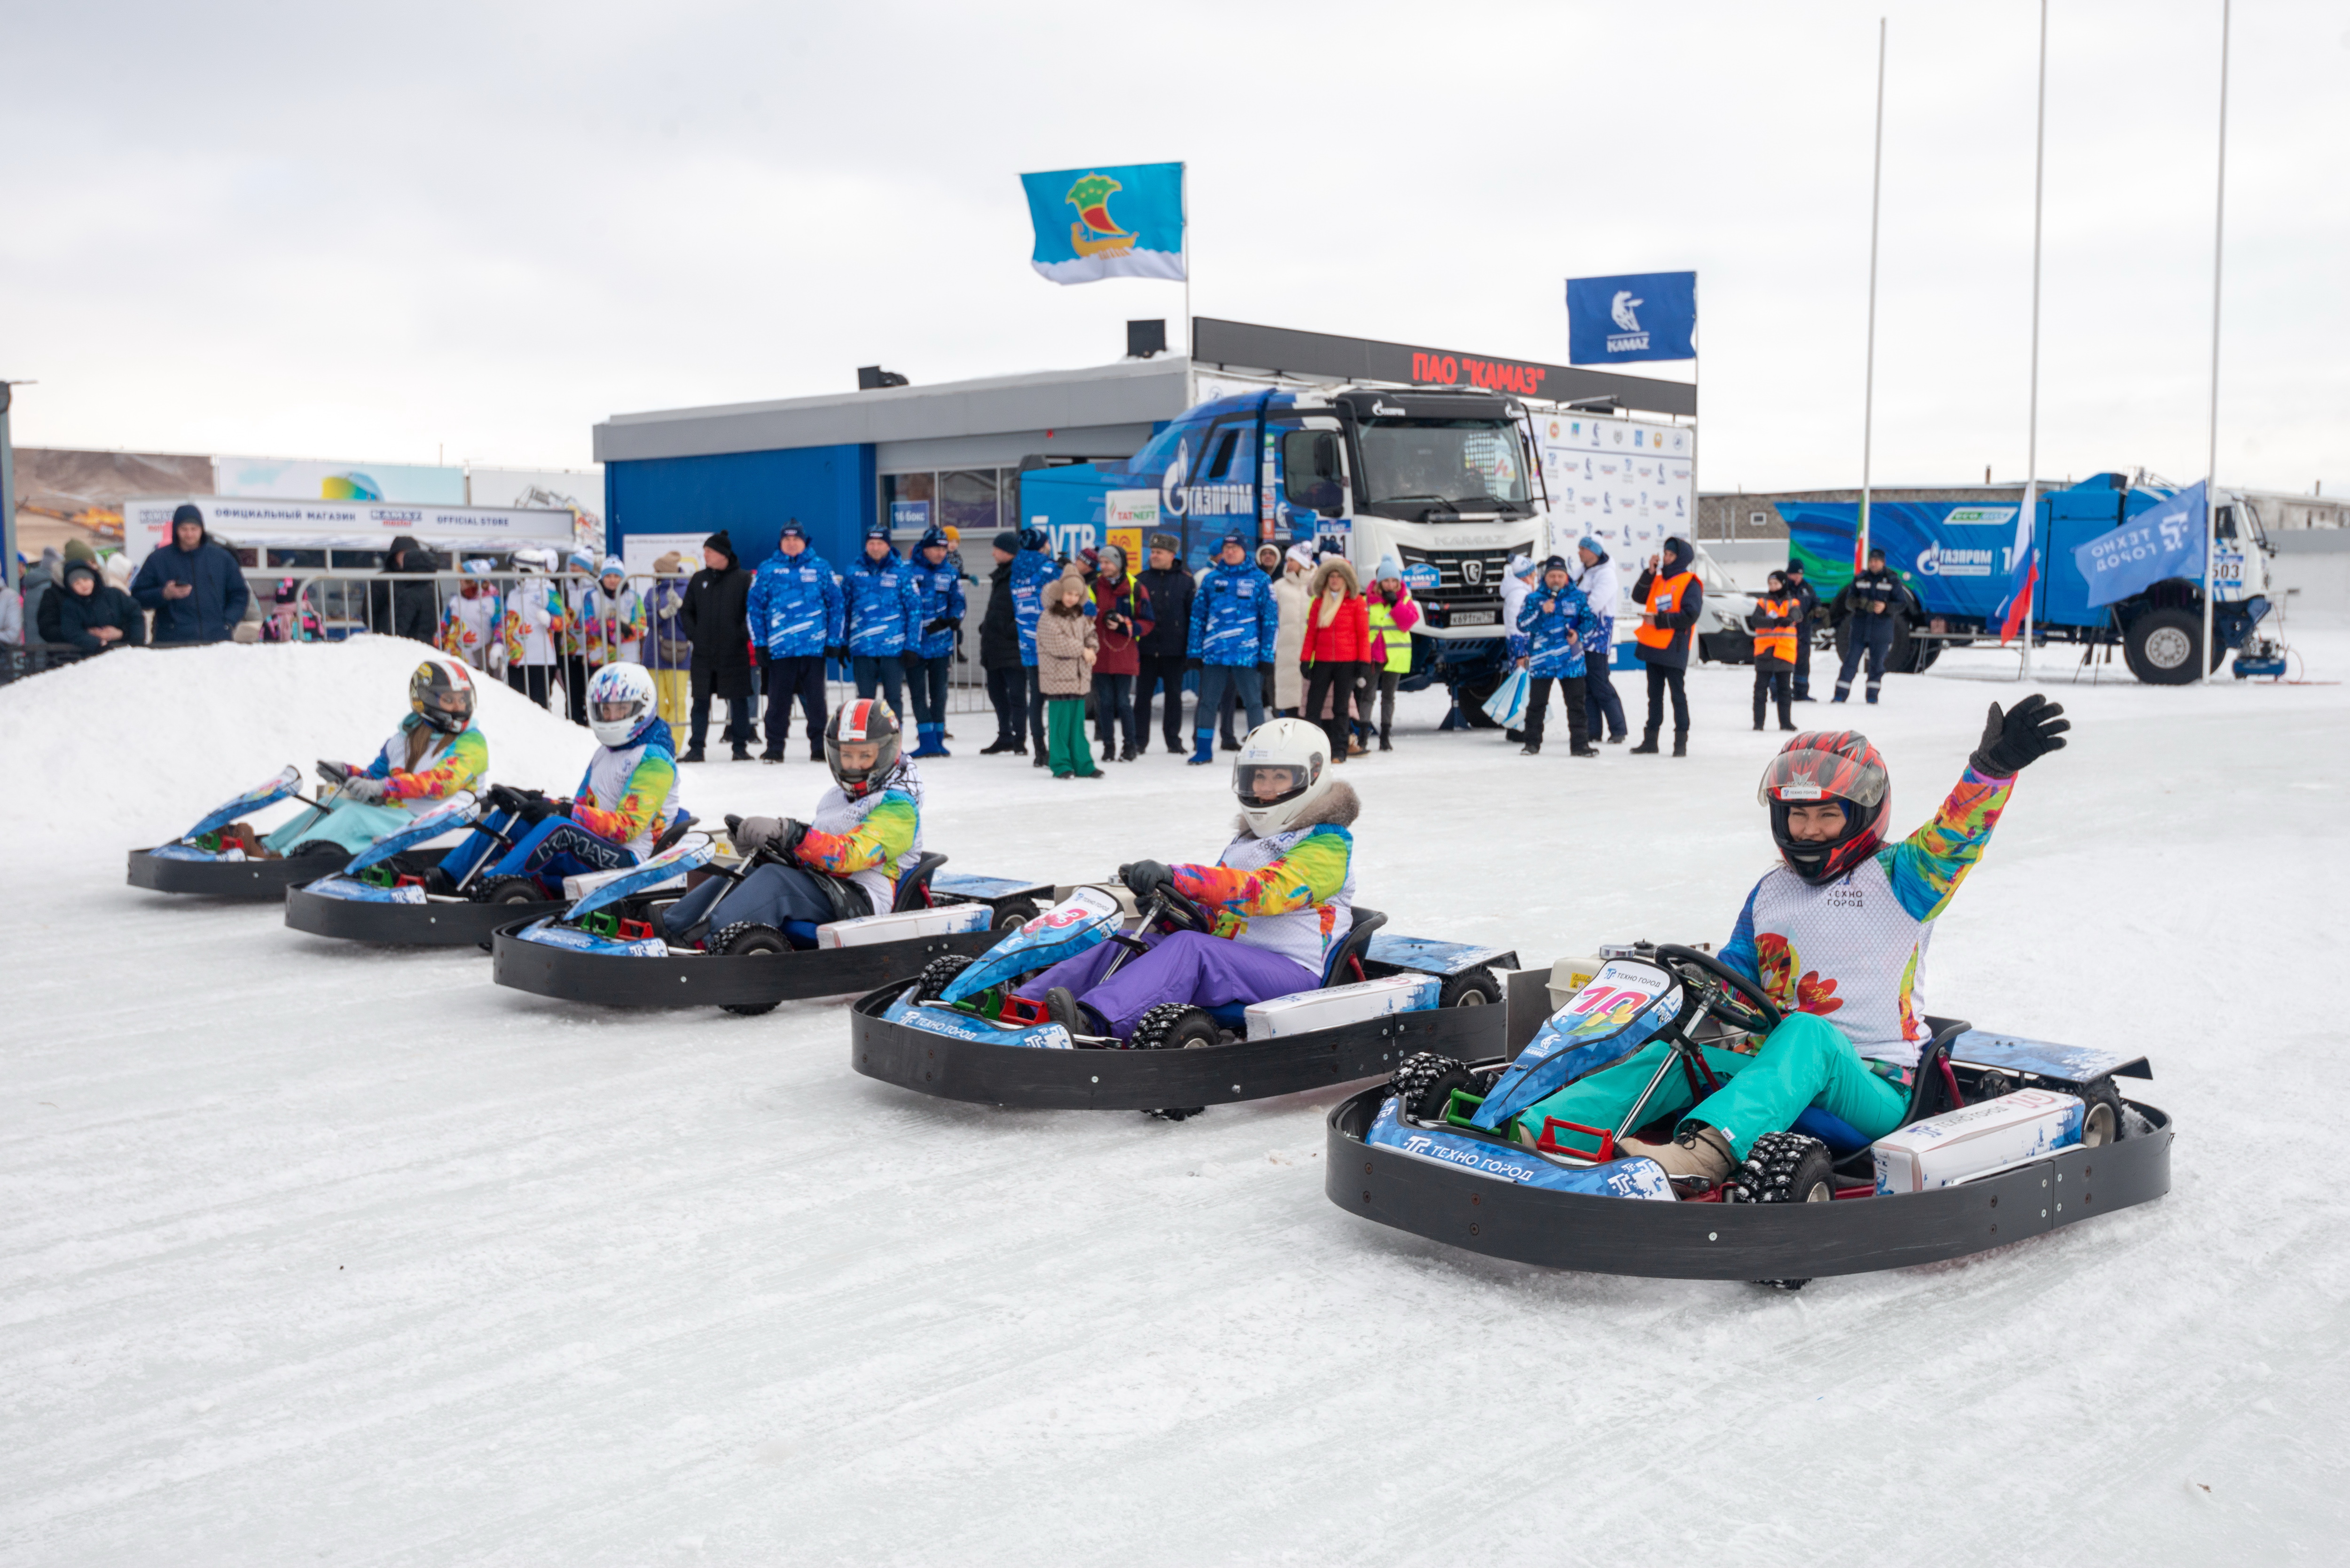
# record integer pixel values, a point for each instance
(883, 673)
(784, 896)
(800, 676)
(926, 679)
(559, 847)
(1183, 966)
(1242, 680)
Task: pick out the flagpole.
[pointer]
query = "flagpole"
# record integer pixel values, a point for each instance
(1190, 352)
(1869, 393)
(2031, 519)
(2211, 464)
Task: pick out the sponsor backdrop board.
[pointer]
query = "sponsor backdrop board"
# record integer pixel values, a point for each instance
(282, 479)
(1626, 481)
(341, 525)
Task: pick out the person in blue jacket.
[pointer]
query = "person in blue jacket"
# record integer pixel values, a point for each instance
(1558, 624)
(938, 620)
(1032, 568)
(794, 614)
(194, 587)
(881, 606)
(1235, 627)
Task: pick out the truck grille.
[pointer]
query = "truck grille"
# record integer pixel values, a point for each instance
(1468, 591)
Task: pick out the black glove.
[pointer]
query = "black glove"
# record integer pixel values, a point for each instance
(1144, 879)
(836, 655)
(2014, 740)
(499, 798)
(1193, 666)
(938, 625)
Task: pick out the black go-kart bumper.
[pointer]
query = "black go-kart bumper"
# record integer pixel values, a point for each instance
(435, 923)
(711, 979)
(1697, 1240)
(257, 880)
(1028, 1077)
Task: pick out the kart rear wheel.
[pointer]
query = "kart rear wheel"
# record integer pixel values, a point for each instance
(2101, 1113)
(936, 974)
(1470, 988)
(513, 890)
(749, 939)
(1174, 1027)
(320, 849)
(1013, 913)
(1783, 1168)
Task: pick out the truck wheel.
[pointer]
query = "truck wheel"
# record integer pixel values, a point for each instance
(1470, 988)
(2101, 1113)
(2159, 647)
(749, 939)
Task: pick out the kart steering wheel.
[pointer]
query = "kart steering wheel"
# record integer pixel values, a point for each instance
(1177, 910)
(1752, 1012)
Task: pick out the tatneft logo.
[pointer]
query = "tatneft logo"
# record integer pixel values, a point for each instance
(1631, 338)
(1935, 561)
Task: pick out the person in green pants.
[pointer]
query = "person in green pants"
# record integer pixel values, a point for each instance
(1836, 937)
(1065, 646)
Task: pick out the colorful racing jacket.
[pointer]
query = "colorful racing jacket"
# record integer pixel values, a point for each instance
(533, 621)
(468, 628)
(627, 797)
(871, 840)
(449, 763)
(1293, 894)
(1852, 951)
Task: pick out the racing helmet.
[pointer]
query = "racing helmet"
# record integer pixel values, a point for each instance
(441, 694)
(535, 558)
(1829, 764)
(620, 703)
(866, 719)
(1304, 752)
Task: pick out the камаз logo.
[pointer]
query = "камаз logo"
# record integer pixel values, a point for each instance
(1633, 337)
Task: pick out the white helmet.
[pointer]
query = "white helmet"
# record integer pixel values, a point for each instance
(537, 558)
(620, 703)
(1299, 748)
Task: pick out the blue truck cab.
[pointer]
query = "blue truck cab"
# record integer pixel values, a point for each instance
(1958, 561)
(1442, 479)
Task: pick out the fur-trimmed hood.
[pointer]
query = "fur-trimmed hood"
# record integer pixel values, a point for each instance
(1337, 566)
(1339, 808)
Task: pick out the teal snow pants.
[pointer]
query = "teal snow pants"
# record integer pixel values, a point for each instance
(1807, 1060)
(347, 823)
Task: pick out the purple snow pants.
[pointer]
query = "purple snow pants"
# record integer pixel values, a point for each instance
(1181, 966)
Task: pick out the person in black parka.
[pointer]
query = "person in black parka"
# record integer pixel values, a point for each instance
(399, 605)
(717, 623)
(90, 613)
(194, 587)
(999, 654)
(1163, 662)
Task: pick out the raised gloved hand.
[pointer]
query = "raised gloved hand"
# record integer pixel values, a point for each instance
(363, 789)
(2014, 740)
(1144, 879)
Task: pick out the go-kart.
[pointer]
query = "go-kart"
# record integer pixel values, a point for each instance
(608, 948)
(957, 1030)
(382, 895)
(222, 857)
(2002, 1138)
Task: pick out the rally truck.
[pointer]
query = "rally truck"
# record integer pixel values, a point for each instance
(1959, 562)
(1440, 479)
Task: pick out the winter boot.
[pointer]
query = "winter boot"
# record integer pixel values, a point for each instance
(1647, 746)
(693, 754)
(1700, 1152)
(1062, 1006)
(1043, 759)
(1128, 752)
(1872, 693)
(1680, 743)
(926, 739)
(1003, 744)
(1530, 750)
(1385, 744)
(1203, 748)
(771, 756)
(1585, 750)
(741, 753)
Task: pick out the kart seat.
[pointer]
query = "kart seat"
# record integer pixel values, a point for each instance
(1345, 965)
(685, 819)
(914, 884)
(1930, 1094)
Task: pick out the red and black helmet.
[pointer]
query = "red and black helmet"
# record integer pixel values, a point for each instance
(865, 719)
(1829, 764)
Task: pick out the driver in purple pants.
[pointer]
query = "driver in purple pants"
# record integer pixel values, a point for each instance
(1281, 899)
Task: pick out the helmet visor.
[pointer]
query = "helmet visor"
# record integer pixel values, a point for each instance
(614, 712)
(1270, 784)
(1798, 776)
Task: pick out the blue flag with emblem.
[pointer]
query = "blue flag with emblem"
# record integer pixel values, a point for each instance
(1639, 316)
(2165, 542)
(1109, 220)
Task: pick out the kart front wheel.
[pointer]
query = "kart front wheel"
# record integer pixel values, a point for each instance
(2101, 1113)
(749, 939)
(1783, 1168)
(513, 890)
(1174, 1027)
(938, 974)
(1424, 1081)
(1470, 988)
(1013, 914)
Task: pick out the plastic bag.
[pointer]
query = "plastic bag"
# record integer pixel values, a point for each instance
(1507, 705)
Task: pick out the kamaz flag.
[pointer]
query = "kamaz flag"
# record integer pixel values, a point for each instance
(2166, 542)
(1646, 315)
(1116, 220)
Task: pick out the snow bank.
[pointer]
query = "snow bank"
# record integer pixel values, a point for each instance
(138, 743)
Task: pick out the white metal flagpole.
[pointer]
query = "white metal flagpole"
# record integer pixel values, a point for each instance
(2029, 524)
(2212, 466)
(1868, 392)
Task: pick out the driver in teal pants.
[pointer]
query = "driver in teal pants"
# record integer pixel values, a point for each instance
(1836, 935)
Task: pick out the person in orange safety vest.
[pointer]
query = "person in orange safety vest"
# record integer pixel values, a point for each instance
(1669, 595)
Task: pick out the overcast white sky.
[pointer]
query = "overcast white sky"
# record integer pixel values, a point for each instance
(383, 233)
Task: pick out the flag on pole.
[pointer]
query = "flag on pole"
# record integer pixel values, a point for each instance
(1639, 316)
(2022, 567)
(1110, 220)
(2165, 541)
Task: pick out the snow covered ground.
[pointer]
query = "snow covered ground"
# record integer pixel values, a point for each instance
(315, 1254)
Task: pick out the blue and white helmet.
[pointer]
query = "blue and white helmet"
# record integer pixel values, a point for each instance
(620, 703)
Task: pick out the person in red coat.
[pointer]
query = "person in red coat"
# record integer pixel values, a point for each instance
(1122, 617)
(1337, 642)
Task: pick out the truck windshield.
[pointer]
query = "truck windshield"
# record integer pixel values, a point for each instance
(1466, 464)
